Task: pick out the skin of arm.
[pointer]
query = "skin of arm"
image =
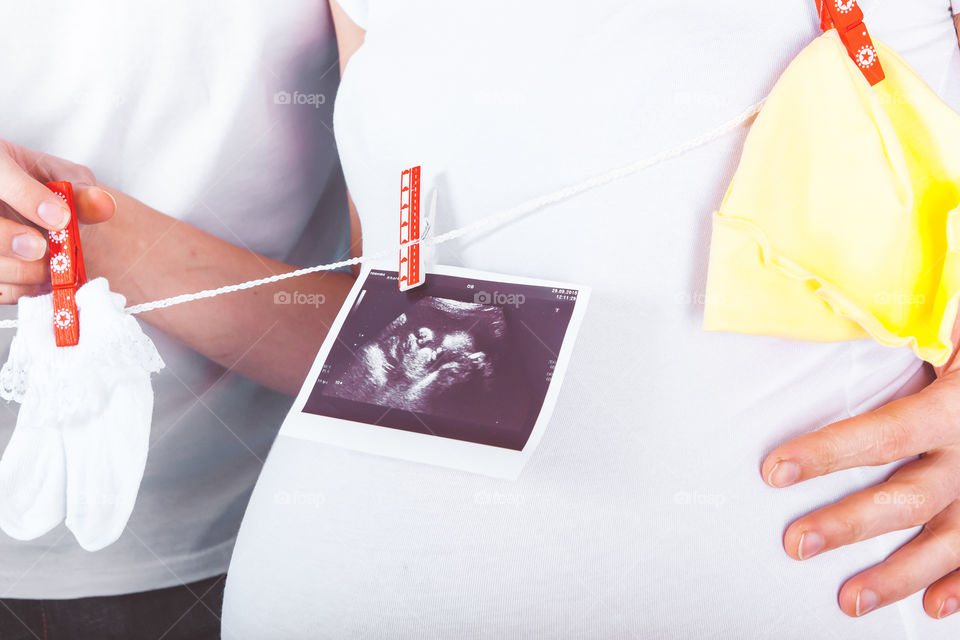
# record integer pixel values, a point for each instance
(147, 255)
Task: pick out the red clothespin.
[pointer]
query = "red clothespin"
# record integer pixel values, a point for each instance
(411, 275)
(847, 17)
(825, 22)
(67, 273)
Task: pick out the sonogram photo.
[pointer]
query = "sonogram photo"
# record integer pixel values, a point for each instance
(436, 358)
(457, 357)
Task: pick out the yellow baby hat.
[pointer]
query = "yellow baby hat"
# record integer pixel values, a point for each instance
(842, 220)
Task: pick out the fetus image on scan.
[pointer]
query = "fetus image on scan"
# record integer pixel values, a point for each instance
(462, 358)
(438, 357)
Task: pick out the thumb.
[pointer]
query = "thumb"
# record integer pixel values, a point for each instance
(94, 203)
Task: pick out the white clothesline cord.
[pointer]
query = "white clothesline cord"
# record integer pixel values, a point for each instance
(486, 222)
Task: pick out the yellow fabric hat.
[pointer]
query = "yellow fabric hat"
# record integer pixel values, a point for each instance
(842, 220)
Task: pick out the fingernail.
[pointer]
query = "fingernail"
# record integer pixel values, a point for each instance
(948, 608)
(811, 543)
(110, 195)
(54, 213)
(783, 474)
(866, 602)
(28, 246)
(106, 193)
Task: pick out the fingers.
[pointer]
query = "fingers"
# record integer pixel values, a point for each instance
(931, 555)
(20, 273)
(900, 429)
(23, 271)
(11, 293)
(942, 599)
(21, 242)
(19, 278)
(29, 197)
(22, 174)
(911, 497)
(94, 205)
(24, 197)
(21, 251)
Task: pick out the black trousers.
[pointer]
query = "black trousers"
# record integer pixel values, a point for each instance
(187, 612)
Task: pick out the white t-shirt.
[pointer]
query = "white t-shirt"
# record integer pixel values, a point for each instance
(176, 103)
(642, 513)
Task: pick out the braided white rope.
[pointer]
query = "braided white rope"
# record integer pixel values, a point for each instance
(486, 222)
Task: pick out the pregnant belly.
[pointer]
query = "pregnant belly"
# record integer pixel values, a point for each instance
(641, 515)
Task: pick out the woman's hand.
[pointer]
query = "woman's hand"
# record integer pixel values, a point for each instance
(923, 491)
(25, 204)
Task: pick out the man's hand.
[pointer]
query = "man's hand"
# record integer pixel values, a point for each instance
(26, 204)
(923, 491)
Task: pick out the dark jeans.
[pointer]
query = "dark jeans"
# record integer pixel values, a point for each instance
(187, 612)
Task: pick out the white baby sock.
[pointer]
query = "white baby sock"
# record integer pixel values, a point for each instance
(96, 406)
(106, 446)
(32, 469)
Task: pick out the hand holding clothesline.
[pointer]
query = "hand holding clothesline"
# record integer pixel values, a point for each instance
(147, 255)
(25, 204)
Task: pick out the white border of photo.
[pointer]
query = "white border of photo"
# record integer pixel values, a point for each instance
(423, 448)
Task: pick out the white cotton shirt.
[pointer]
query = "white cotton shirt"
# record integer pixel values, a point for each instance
(642, 514)
(180, 104)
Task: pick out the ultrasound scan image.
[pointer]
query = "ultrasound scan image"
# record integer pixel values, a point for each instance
(439, 358)
(461, 358)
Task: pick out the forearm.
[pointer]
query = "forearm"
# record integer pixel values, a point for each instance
(147, 255)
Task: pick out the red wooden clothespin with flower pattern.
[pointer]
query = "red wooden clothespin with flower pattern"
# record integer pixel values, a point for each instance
(410, 275)
(67, 273)
(847, 16)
